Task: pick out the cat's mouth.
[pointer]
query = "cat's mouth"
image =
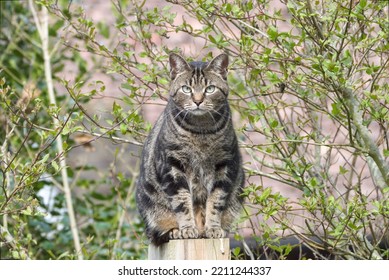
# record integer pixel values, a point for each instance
(198, 111)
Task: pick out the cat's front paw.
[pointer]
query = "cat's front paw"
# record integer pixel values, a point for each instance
(184, 233)
(215, 232)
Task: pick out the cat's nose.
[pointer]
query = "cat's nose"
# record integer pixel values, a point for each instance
(197, 102)
(197, 98)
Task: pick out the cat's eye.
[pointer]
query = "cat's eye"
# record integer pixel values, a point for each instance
(186, 89)
(210, 89)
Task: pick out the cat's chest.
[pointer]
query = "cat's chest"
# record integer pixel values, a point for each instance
(201, 155)
(201, 166)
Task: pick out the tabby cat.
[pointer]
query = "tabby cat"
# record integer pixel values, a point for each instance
(191, 173)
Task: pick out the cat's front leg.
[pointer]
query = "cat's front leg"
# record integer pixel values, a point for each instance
(183, 208)
(181, 204)
(216, 204)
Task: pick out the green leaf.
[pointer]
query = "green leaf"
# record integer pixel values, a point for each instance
(98, 196)
(55, 165)
(266, 193)
(163, 81)
(123, 128)
(28, 211)
(236, 251)
(228, 7)
(335, 109)
(142, 67)
(45, 158)
(15, 255)
(272, 32)
(272, 77)
(274, 124)
(55, 27)
(342, 170)
(103, 29)
(116, 108)
(212, 39)
(65, 130)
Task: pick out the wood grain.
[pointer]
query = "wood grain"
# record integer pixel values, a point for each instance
(191, 249)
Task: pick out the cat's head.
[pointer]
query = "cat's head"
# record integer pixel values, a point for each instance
(199, 87)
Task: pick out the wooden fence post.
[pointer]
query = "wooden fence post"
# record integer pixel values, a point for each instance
(191, 249)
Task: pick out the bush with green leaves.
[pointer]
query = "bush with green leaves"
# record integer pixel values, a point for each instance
(309, 84)
(48, 209)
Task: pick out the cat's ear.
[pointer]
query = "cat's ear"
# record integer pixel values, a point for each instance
(219, 65)
(177, 65)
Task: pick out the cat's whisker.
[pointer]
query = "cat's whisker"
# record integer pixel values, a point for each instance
(223, 116)
(185, 115)
(178, 113)
(213, 110)
(214, 121)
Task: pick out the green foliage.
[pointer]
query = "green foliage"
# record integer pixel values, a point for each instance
(32, 201)
(308, 89)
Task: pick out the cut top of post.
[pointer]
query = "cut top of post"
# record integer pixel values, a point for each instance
(191, 249)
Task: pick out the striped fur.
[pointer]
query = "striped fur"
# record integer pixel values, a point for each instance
(191, 173)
